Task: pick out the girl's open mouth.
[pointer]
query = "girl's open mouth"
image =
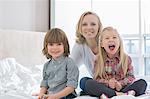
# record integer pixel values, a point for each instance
(111, 47)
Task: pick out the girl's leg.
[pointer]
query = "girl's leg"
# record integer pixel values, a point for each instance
(138, 86)
(94, 88)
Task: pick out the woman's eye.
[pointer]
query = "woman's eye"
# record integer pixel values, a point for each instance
(84, 24)
(93, 24)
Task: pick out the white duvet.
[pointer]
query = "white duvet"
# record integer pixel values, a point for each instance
(16, 81)
(19, 82)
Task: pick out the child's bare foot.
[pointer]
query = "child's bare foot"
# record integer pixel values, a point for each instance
(131, 92)
(103, 96)
(120, 93)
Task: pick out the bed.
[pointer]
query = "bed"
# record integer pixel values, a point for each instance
(21, 63)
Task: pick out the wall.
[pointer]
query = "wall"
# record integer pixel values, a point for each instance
(24, 46)
(30, 15)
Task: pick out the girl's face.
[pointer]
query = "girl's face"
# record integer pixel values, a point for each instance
(55, 49)
(110, 42)
(90, 26)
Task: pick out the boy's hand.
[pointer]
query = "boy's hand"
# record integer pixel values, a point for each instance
(41, 96)
(51, 96)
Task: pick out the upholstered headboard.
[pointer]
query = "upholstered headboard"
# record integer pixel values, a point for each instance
(24, 46)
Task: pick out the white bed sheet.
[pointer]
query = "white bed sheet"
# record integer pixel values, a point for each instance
(19, 82)
(118, 97)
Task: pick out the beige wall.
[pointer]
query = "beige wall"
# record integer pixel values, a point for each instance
(30, 15)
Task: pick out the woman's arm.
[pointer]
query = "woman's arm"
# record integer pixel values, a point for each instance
(77, 54)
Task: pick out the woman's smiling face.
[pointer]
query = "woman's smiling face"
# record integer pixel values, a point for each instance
(90, 26)
(110, 42)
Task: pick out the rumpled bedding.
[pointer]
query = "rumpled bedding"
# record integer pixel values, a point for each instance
(17, 81)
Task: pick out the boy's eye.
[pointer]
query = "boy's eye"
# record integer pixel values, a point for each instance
(50, 44)
(59, 44)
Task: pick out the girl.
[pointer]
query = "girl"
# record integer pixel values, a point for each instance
(60, 74)
(113, 71)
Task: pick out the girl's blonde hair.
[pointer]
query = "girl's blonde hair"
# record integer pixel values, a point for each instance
(55, 35)
(100, 66)
(79, 37)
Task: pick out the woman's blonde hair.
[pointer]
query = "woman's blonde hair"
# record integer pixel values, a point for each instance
(79, 37)
(55, 35)
(100, 66)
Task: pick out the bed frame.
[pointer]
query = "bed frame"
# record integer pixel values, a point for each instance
(24, 46)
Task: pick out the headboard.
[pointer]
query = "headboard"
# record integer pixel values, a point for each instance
(24, 46)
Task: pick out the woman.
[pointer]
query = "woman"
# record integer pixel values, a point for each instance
(86, 46)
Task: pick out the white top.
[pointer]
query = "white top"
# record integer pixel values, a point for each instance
(83, 55)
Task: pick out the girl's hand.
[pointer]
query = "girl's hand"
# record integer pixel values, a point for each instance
(111, 83)
(118, 86)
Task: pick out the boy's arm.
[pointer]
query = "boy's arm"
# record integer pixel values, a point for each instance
(66, 91)
(43, 91)
(72, 80)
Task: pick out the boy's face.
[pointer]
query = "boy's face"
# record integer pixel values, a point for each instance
(110, 42)
(55, 49)
(90, 26)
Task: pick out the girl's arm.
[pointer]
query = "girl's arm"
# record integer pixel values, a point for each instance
(129, 78)
(104, 81)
